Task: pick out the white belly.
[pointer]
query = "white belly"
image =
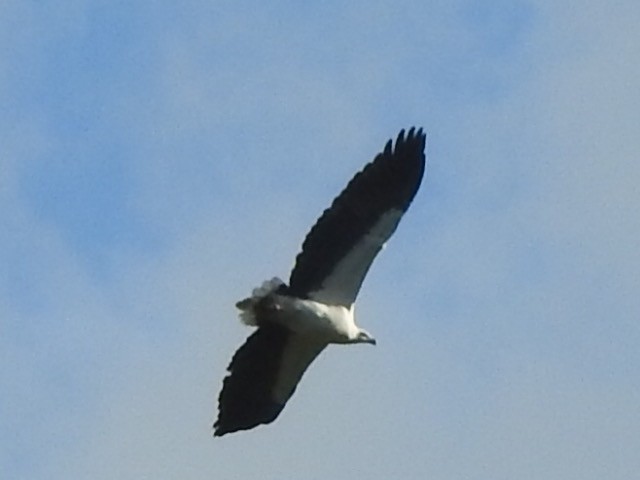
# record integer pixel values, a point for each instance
(333, 323)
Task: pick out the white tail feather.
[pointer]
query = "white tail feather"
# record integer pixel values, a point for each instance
(246, 306)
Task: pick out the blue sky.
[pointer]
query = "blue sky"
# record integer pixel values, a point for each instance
(160, 160)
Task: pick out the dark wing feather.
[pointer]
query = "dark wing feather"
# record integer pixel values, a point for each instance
(263, 374)
(245, 400)
(386, 186)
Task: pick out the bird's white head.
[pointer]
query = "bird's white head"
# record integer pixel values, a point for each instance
(362, 336)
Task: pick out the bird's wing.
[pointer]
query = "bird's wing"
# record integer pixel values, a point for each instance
(339, 249)
(263, 374)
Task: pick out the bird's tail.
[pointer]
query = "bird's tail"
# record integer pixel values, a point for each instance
(247, 306)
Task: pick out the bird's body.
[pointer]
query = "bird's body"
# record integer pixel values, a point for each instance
(302, 316)
(296, 322)
(332, 323)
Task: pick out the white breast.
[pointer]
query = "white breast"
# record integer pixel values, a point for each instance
(333, 323)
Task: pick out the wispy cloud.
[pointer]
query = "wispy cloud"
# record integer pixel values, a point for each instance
(159, 161)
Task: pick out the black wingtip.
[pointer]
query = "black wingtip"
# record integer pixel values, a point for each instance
(252, 415)
(406, 138)
(245, 399)
(388, 147)
(412, 133)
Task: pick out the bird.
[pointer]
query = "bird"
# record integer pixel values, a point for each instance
(295, 322)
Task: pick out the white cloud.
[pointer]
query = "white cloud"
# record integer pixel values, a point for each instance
(515, 272)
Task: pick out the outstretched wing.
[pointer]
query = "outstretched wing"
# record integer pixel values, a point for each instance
(339, 249)
(263, 374)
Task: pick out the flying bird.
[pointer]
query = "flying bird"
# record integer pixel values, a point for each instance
(295, 322)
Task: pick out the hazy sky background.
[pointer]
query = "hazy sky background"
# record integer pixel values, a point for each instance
(160, 159)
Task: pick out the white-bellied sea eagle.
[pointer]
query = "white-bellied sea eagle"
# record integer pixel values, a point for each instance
(296, 322)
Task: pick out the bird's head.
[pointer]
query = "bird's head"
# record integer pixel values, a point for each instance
(364, 337)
